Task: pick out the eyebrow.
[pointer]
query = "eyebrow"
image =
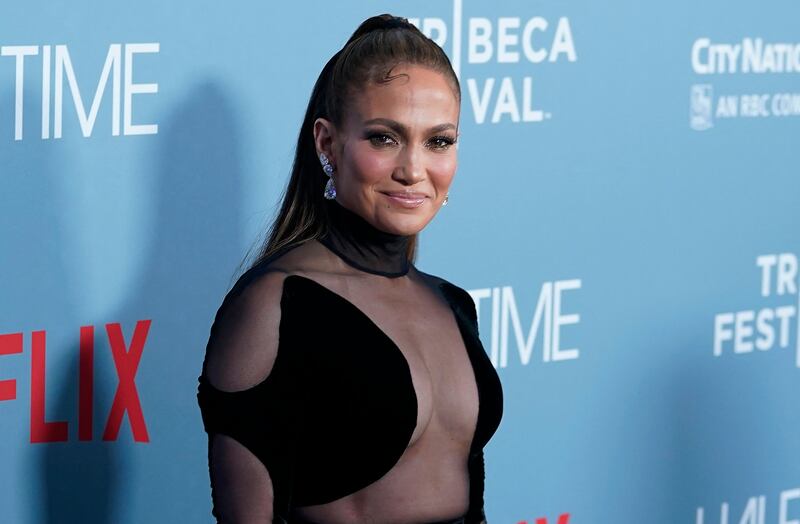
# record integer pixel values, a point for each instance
(403, 130)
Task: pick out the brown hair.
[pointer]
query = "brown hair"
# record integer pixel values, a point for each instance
(379, 44)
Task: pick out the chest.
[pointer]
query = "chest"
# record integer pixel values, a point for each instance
(423, 327)
(366, 379)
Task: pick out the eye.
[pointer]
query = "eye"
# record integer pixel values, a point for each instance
(381, 139)
(441, 142)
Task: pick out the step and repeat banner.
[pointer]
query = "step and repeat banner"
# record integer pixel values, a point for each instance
(625, 216)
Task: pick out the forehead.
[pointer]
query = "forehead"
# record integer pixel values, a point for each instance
(413, 95)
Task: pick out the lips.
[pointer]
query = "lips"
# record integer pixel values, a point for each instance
(408, 199)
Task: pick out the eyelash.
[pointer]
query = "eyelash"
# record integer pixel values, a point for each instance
(446, 141)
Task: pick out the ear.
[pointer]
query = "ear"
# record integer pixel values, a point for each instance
(325, 138)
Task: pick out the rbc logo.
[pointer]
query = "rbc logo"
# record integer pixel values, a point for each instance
(701, 103)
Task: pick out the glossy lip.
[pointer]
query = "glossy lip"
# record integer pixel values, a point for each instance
(407, 199)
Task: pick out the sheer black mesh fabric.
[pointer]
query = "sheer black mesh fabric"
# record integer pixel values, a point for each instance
(363, 246)
(308, 389)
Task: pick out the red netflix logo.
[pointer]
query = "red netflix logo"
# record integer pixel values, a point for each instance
(562, 519)
(126, 399)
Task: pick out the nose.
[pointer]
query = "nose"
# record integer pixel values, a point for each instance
(410, 169)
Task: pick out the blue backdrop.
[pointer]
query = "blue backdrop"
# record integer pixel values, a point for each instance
(624, 215)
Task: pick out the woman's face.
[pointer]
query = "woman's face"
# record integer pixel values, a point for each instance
(395, 154)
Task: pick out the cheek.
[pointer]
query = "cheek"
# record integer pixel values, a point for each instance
(442, 171)
(370, 166)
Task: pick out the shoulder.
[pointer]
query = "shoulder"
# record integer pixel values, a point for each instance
(244, 338)
(458, 297)
(264, 282)
(243, 343)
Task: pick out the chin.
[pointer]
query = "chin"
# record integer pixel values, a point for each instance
(399, 223)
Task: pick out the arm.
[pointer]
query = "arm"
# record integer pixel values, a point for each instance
(241, 488)
(240, 355)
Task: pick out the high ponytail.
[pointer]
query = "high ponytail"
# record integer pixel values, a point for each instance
(379, 44)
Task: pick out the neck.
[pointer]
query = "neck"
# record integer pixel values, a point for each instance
(362, 246)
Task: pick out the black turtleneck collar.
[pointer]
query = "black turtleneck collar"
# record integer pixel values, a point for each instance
(363, 246)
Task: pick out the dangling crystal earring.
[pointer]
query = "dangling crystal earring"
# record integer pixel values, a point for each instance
(446, 198)
(330, 189)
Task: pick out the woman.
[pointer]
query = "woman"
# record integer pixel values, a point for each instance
(341, 384)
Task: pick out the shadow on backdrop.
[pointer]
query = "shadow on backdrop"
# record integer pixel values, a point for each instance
(190, 256)
(196, 246)
(76, 481)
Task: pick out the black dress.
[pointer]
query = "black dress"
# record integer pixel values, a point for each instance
(338, 407)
